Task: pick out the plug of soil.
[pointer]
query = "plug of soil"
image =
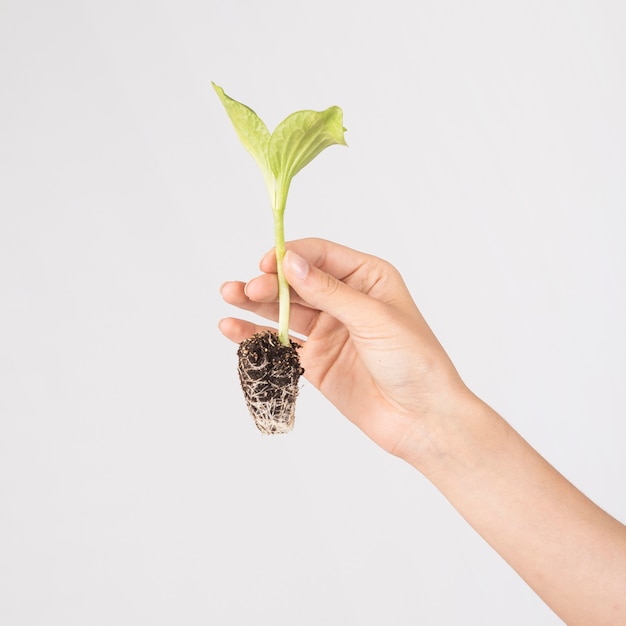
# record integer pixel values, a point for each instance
(269, 374)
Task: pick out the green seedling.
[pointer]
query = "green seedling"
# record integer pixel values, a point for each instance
(295, 142)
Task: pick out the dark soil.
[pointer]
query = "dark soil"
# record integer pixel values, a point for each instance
(269, 374)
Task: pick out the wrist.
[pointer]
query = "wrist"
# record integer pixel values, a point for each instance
(455, 438)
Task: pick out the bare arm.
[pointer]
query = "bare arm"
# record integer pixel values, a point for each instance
(567, 549)
(370, 351)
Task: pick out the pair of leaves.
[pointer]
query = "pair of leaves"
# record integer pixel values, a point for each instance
(295, 142)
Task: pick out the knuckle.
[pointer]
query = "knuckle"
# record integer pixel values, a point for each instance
(330, 285)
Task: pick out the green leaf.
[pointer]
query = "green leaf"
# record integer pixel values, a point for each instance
(300, 137)
(252, 132)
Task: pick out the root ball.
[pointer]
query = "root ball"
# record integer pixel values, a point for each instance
(269, 374)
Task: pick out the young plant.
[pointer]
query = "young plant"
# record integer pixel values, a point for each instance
(269, 367)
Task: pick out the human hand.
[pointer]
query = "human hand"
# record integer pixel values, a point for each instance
(368, 348)
(370, 352)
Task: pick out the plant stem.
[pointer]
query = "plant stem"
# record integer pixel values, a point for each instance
(279, 241)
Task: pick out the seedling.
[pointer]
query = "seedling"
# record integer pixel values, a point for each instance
(269, 367)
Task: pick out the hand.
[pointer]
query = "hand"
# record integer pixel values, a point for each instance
(371, 353)
(368, 348)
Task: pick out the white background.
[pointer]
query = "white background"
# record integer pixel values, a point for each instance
(487, 161)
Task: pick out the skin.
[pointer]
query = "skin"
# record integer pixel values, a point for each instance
(372, 354)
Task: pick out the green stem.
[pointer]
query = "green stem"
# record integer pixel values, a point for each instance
(279, 241)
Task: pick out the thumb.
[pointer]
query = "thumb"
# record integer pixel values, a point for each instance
(326, 293)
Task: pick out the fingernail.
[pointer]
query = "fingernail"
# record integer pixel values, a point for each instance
(297, 264)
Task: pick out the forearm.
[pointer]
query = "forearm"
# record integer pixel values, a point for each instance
(567, 549)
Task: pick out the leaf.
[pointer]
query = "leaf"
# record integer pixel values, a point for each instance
(300, 137)
(297, 140)
(251, 130)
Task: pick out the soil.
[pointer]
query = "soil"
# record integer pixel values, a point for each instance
(269, 374)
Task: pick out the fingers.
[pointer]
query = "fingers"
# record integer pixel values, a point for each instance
(238, 330)
(363, 272)
(262, 289)
(321, 290)
(260, 296)
(333, 258)
(350, 286)
(235, 293)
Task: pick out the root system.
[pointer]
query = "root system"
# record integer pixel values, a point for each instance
(269, 374)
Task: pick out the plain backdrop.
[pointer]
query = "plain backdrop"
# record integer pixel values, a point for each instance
(486, 160)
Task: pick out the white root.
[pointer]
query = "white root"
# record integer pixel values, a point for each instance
(269, 373)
